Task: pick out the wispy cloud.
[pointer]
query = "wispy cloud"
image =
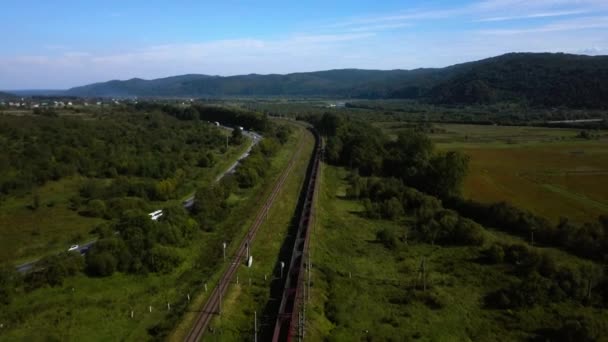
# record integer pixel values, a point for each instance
(361, 42)
(405, 16)
(377, 28)
(535, 15)
(583, 23)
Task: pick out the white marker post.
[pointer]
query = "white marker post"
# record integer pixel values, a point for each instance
(224, 244)
(255, 326)
(282, 267)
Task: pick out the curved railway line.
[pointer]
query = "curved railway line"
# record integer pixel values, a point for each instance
(212, 305)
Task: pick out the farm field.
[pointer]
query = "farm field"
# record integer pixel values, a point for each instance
(99, 309)
(548, 171)
(363, 290)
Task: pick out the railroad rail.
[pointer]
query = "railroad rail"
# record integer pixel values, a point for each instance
(212, 305)
(290, 318)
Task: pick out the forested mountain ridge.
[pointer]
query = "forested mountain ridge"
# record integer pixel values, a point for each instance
(539, 79)
(6, 96)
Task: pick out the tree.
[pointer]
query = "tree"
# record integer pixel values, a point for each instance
(162, 259)
(408, 156)
(236, 138)
(388, 238)
(96, 208)
(446, 173)
(101, 264)
(393, 209)
(36, 200)
(9, 281)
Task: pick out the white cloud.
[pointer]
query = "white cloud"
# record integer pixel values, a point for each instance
(535, 15)
(405, 16)
(565, 25)
(593, 51)
(357, 42)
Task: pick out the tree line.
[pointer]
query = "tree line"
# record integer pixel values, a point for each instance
(588, 240)
(410, 158)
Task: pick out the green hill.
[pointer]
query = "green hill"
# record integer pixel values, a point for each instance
(542, 79)
(6, 96)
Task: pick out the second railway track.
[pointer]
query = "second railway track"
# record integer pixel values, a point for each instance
(211, 306)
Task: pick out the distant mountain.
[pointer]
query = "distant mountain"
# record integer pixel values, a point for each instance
(535, 78)
(540, 79)
(38, 92)
(7, 96)
(345, 82)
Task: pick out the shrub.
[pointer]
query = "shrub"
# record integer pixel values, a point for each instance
(388, 238)
(101, 264)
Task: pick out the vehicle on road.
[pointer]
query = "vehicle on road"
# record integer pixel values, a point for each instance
(155, 215)
(73, 248)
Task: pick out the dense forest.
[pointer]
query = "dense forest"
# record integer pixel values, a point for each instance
(535, 79)
(146, 155)
(128, 160)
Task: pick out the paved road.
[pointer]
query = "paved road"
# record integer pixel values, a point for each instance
(255, 139)
(188, 203)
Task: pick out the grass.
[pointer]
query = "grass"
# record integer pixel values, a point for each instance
(100, 309)
(27, 234)
(252, 292)
(545, 170)
(359, 286)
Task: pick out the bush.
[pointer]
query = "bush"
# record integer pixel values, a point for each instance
(101, 264)
(162, 259)
(495, 254)
(52, 270)
(10, 279)
(95, 208)
(388, 238)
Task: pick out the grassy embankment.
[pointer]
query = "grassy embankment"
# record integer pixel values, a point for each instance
(362, 290)
(548, 171)
(252, 292)
(99, 309)
(27, 234)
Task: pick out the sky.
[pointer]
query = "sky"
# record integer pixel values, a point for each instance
(60, 44)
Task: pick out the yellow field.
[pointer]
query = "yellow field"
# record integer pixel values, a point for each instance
(548, 171)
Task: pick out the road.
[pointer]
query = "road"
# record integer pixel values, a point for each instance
(188, 203)
(255, 139)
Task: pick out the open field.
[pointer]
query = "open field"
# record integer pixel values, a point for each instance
(548, 171)
(87, 308)
(360, 288)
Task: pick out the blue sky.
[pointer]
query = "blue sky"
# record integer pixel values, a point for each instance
(59, 44)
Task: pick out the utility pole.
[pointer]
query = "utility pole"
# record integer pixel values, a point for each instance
(309, 270)
(255, 326)
(422, 273)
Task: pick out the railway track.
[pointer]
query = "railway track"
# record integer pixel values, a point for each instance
(212, 305)
(290, 318)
